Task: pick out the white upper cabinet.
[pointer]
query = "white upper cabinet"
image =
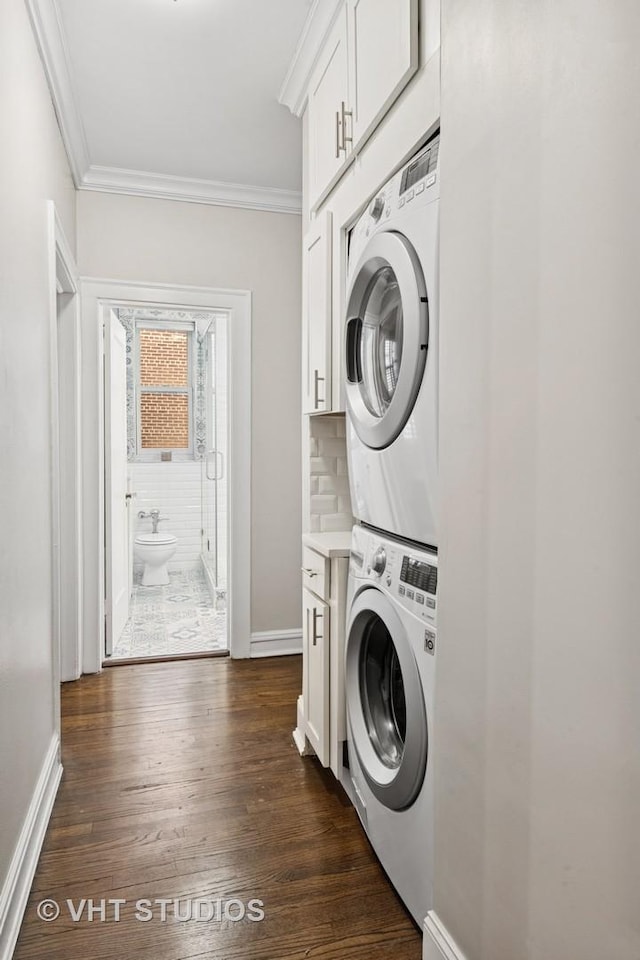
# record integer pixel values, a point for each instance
(383, 56)
(367, 59)
(316, 320)
(328, 124)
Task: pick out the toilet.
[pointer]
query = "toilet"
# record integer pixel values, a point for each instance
(155, 550)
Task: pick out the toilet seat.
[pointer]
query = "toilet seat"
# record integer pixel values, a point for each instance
(158, 538)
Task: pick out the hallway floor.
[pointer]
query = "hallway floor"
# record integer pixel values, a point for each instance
(174, 620)
(181, 781)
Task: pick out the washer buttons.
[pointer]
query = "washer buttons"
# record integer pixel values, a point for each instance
(431, 603)
(419, 188)
(401, 591)
(420, 598)
(409, 594)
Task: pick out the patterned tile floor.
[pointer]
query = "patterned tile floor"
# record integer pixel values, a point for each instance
(177, 619)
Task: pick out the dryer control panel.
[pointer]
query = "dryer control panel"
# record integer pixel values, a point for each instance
(414, 184)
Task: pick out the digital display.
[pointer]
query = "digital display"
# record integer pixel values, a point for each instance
(415, 171)
(420, 575)
(421, 166)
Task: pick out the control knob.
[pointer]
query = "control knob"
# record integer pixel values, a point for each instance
(379, 561)
(376, 207)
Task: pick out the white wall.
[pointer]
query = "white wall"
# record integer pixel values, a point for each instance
(33, 169)
(143, 239)
(538, 712)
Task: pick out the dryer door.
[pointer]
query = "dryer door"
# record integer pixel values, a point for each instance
(385, 702)
(387, 338)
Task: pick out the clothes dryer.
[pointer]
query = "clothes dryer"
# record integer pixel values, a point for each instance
(391, 354)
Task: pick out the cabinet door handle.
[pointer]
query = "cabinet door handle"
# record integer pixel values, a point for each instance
(309, 572)
(315, 636)
(316, 380)
(338, 147)
(343, 123)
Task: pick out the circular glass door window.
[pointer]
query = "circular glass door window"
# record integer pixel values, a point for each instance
(386, 711)
(381, 341)
(386, 338)
(382, 694)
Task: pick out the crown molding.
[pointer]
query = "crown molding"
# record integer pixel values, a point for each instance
(49, 36)
(162, 186)
(321, 18)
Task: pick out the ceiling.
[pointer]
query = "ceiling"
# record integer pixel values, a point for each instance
(178, 94)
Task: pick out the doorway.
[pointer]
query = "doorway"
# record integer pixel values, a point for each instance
(166, 474)
(183, 481)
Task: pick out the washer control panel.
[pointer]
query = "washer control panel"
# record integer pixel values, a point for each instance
(417, 583)
(409, 575)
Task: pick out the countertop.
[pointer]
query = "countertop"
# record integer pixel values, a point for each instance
(329, 544)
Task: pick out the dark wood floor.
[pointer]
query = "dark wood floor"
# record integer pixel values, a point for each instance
(181, 781)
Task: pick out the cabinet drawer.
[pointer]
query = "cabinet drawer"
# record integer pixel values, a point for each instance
(315, 572)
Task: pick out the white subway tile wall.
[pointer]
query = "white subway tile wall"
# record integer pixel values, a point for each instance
(175, 489)
(330, 501)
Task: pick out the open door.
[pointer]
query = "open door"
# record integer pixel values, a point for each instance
(117, 553)
(215, 464)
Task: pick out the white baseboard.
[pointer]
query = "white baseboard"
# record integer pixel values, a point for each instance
(276, 643)
(437, 943)
(15, 891)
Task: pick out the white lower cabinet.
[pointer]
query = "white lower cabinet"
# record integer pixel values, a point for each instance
(315, 686)
(321, 706)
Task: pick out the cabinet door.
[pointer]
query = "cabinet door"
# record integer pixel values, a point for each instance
(383, 57)
(328, 90)
(316, 320)
(315, 651)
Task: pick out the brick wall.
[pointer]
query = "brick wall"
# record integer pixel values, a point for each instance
(164, 361)
(164, 420)
(164, 358)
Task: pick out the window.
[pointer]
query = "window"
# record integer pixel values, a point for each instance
(164, 365)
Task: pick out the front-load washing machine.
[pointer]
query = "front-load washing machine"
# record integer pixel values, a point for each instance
(389, 678)
(391, 354)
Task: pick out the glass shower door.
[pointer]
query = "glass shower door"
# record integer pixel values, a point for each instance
(214, 474)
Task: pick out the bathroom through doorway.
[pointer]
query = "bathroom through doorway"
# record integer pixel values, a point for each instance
(112, 498)
(166, 476)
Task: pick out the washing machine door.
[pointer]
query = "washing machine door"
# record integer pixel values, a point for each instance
(387, 338)
(385, 702)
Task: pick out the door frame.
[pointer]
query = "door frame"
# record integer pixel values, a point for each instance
(66, 457)
(99, 295)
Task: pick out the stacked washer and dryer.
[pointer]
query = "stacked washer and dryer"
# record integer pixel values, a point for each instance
(391, 379)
